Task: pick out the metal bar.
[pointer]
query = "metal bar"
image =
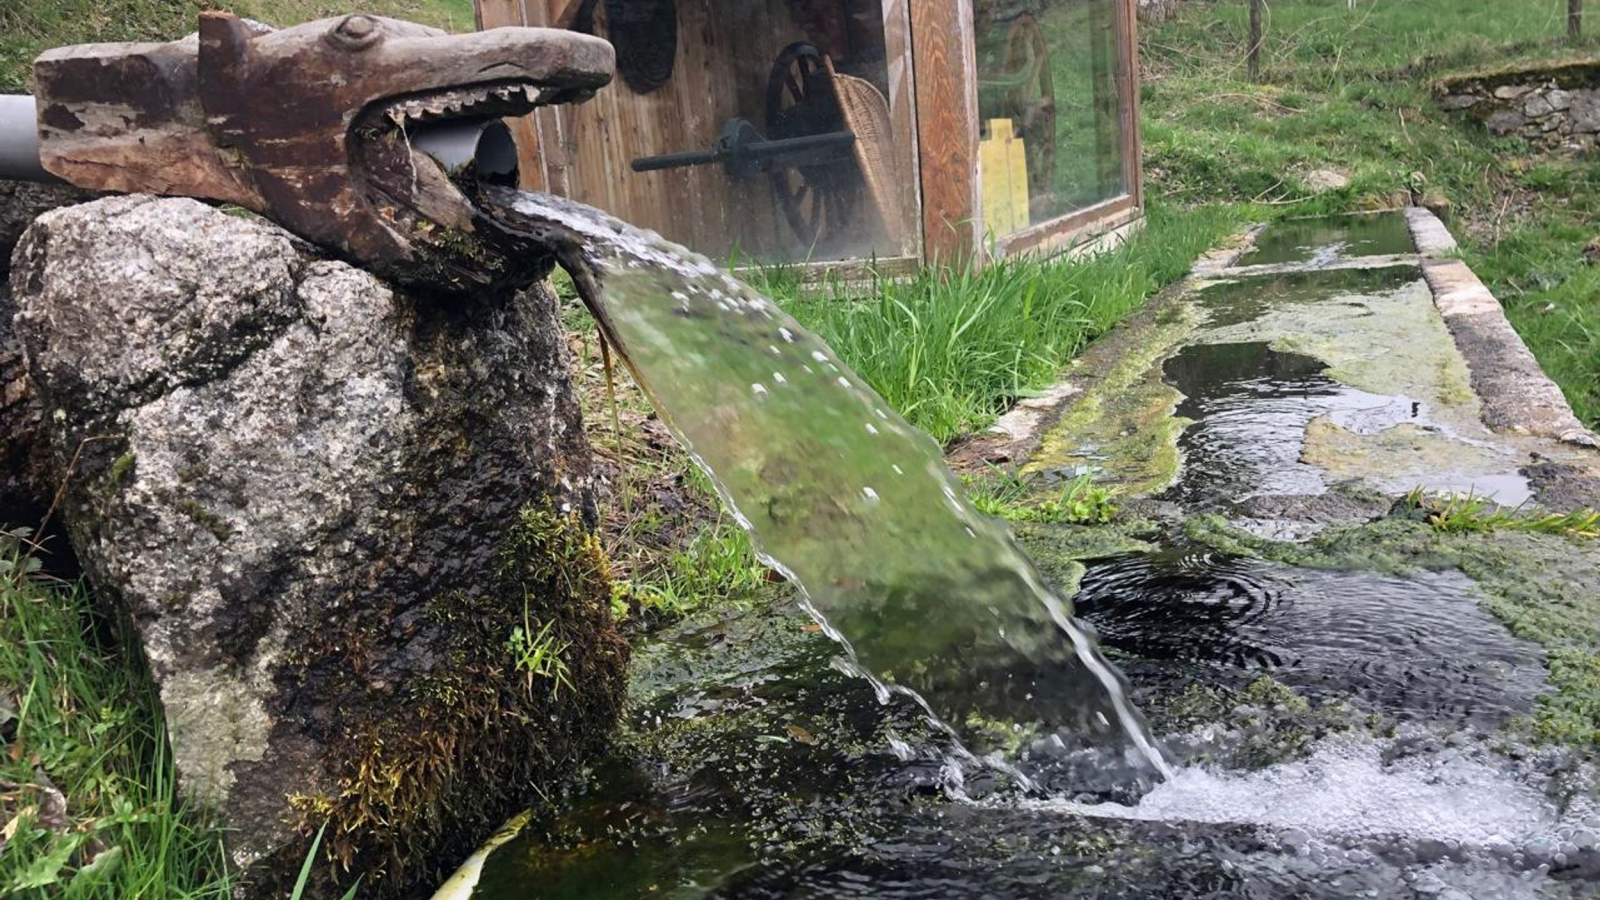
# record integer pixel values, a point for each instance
(762, 150)
(19, 140)
(676, 160)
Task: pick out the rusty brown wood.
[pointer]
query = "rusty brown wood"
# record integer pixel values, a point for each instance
(944, 59)
(303, 124)
(1132, 132)
(850, 271)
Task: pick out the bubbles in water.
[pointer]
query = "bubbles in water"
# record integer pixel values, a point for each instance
(1348, 792)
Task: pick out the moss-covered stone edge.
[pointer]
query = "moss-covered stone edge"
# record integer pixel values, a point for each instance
(411, 794)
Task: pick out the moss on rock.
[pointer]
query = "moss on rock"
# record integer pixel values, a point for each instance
(476, 718)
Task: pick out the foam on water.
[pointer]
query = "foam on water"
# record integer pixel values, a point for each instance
(1355, 792)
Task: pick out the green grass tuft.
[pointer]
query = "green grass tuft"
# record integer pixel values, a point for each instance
(1467, 514)
(953, 350)
(88, 807)
(1007, 495)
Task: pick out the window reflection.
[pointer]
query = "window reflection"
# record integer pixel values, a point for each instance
(1049, 111)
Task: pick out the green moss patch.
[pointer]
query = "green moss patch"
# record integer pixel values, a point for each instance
(481, 732)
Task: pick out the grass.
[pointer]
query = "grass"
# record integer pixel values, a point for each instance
(1352, 92)
(30, 27)
(717, 566)
(1467, 514)
(1007, 495)
(87, 796)
(953, 350)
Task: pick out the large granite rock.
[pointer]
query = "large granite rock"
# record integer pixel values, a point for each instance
(329, 511)
(24, 471)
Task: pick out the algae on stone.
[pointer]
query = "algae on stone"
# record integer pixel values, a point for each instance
(1377, 330)
(1408, 456)
(1122, 428)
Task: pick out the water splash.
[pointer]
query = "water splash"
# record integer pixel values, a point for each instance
(929, 599)
(1369, 797)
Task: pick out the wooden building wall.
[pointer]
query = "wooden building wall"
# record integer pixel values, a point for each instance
(725, 50)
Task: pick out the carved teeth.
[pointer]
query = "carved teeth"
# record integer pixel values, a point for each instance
(500, 100)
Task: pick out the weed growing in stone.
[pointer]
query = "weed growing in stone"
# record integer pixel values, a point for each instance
(299, 891)
(1467, 514)
(1009, 496)
(538, 654)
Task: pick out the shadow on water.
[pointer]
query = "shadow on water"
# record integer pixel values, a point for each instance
(1322, 240)
(1420, 648)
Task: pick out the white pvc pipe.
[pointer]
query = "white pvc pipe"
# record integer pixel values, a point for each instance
(19, 140)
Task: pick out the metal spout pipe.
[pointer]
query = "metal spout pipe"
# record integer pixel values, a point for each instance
(484, 144)
(19, 140)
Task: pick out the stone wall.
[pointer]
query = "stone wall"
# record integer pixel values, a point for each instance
(1155, 12)
(1553, 106)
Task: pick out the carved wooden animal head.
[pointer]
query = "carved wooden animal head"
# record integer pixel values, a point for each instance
(311, 126)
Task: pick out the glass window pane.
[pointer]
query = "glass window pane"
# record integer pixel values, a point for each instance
(750, 129)
(1049, 110)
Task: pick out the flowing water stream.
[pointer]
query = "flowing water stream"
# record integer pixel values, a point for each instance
(842, 495)
(759, 766)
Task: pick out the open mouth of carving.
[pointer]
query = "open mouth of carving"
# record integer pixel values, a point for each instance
(423, 154)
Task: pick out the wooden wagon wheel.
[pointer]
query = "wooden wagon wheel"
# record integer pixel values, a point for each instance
(820, 199)
(1032, 100)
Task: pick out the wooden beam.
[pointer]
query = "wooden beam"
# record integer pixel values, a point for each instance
(1132, 130)
(524, 130)
(944, 61)
(1253, 53)
(1056, 233)
(1575, 19)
